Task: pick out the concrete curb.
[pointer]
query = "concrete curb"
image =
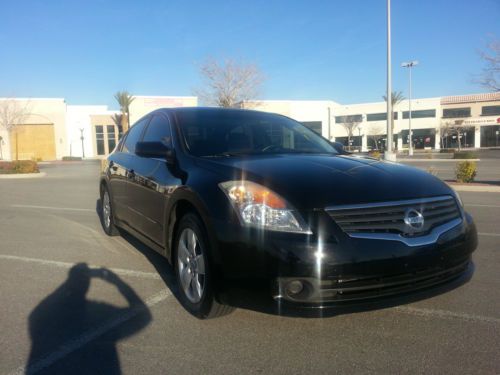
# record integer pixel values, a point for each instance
(476, 188)
(22, 175)
(427, 160)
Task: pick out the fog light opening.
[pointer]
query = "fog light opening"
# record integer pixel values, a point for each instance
(295, 287)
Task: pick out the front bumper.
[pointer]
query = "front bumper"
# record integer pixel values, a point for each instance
(333, 268)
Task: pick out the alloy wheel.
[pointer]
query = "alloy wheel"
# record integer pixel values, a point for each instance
(191, 265)
(106, 209)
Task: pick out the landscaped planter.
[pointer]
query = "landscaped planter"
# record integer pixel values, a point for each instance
(18, 167)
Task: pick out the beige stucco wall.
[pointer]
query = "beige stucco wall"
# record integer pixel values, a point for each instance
(41, 111)
(142, 105)
(300, 110)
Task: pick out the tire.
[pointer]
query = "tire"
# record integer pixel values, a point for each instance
(193, 271)
(107, 219)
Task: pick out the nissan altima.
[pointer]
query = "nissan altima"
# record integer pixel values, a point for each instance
(247, 203)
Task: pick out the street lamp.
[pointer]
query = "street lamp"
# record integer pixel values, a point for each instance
(360, 138)
(409, 65)
(388, 154)
(82, 138)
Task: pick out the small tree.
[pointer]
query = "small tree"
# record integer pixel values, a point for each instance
(227, 83)
(454, 128)
(490, 77)
(375, 133)
(124, 99)
(350, 124)
(13, 113)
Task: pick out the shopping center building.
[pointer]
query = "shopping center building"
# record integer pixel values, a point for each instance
(51, 129)
(475, 117)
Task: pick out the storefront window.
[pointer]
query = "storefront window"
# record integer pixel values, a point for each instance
(490, 136)
(355, 143)
(111, 137)
(99, 137)
(315, 126)
(466, 136)
(422, 138)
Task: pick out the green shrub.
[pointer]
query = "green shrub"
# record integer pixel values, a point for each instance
(466, 171)
(465, 155)
(374, 154)
(19, 166)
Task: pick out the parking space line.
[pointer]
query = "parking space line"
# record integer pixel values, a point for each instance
(80, 341)
(489, 234)
(52, 208)
(419, 311)
(68, 265)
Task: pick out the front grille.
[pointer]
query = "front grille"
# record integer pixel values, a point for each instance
(354, 289)
(389, 217)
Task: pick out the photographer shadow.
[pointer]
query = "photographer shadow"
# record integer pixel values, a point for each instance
(72, 334)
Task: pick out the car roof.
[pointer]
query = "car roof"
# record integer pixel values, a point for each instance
(205, 110)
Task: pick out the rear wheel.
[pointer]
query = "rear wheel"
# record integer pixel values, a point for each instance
(192, 270)
(107, 214)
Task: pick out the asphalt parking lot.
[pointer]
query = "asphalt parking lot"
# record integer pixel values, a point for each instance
(128, 321)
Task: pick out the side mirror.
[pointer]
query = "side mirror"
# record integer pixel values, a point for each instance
(155, 150)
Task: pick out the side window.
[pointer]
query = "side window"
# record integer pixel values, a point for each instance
(159, 130)
(134, 135)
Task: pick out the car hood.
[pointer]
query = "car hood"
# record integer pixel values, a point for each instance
(317, 181)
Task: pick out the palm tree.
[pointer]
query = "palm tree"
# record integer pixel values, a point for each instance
(396, 98)
(117, 119)
(124, 99)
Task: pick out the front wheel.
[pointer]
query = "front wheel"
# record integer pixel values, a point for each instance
(192, 270)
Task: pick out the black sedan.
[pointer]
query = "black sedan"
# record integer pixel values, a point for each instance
(247, 204)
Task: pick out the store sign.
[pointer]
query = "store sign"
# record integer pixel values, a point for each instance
(482, 121)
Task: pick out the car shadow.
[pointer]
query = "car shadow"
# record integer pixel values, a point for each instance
(264, 304)
(158, 261)
(73, 334)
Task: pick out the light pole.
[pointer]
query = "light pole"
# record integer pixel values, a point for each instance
(360, 139)
(389, 155)
(409, 65)
(82, 138)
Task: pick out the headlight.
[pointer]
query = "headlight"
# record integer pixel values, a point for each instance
(258, 206)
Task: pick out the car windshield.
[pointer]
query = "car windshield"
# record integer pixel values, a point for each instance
(232, 133)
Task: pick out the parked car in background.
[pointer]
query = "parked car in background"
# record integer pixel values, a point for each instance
(250, 202)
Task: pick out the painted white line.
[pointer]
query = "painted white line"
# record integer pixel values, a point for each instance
(52, 208)
(482, 205)
(80, 341)
(67, 265)
(434, 313)
(489, 234)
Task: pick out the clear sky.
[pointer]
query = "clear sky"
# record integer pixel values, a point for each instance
(86, 50)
